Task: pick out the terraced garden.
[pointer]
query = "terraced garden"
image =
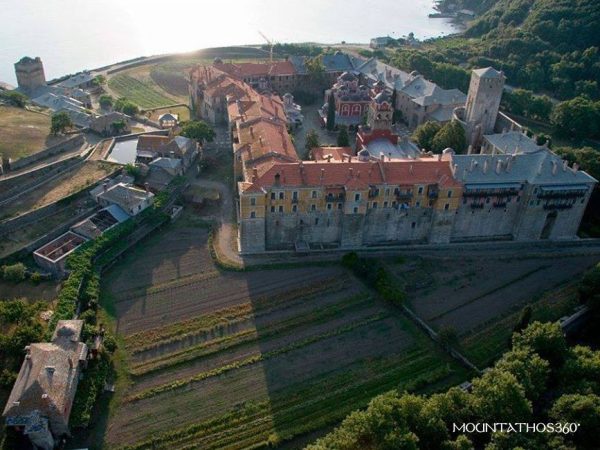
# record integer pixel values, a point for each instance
(140, 89)
(481, 298)
(236, 360)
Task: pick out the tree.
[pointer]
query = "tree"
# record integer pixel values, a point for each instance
(106, 101)
(118, 126)
(531, 370)
(451, 135)
(312, 140)
(198, 130)
(498, 395)
(99, 80)
(447, 336)
(587, 158)
(343, 140)
(424, 134)
(130, 109)
(579, 118)
(583, 410)
(524, 319)
(331, 112)
(14, 98)
(60, 123)
(545, 339)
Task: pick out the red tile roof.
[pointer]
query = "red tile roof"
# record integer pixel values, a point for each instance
(337, 153)
(358, 175)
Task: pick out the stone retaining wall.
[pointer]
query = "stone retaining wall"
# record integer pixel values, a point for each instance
(69, 144)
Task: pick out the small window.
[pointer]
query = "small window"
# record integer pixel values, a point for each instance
(413, 225)
(281, 195)
(355, 210)
(272, 209)
(418, 204)
(272, 195)
(253, 201)
(339, 206)
(329, 206)
(387, 191)
(450, 194)
(295, 195)
(313, 207)
(385, 204)
(420, 191)
(253, 215)
(447, 206)
(374, 205)
(316, 221)
(294, 208)
(314, 194)
(280, 208)
(356, 197)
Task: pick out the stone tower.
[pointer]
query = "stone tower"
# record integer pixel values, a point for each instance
(30, 74)
(380, 113)
(483, 102)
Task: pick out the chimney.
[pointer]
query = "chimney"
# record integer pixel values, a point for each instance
(147, 187)
(554, 167)
(329, 158)
(254, 174)
(351, 172)
(343, 157)
(322, 174)
(172, 155)
(498, 166)
(382, 157)
(105, 186)
(410, 169)
(389, 156)
(485, 166)
(439, 157)
(350, 158)
(509, 163)
(464, 177)
(472, 165)
(565, 165)
(575, 167)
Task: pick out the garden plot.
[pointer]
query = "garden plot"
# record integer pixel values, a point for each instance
(469, 292)
(234, 360)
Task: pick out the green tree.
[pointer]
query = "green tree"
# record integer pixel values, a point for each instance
(343, 140)
(106, 101)
(447, 336)
(524, 319)
(14, 98)
(451, 135)
(130, 109)
(531, 370)
(118, 126)
(545, 339)
(587, 158)
(198, 130)
(60, 123)
(498, 395)
(424, 134)
(331, 112)
(583, 410)
(99, 80)
(312, 140)
(579, 118)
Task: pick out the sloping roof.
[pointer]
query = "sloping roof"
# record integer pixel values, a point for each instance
(488, 72)
(512, 142)
(540, 167)
(152, 142)
(167, 163)
(77, 80)
(48, 378)
(338, 62)
(126, 196)
(357, 174)
(336, 153)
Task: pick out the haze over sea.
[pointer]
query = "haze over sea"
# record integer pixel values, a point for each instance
(72, 35)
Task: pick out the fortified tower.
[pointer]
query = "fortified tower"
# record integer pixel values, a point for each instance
(380, 112)
(483, 102)
(30, 74)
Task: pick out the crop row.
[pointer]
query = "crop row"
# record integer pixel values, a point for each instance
(151, 339)
(255, 359)
(288, 414)
(246, 337)
(138, 92)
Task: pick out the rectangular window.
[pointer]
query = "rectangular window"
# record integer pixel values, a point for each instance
(374, 205)
(387, 191)
(329, 206)
(413, 225)
(420, 191)
(356, 197)
(295, 195)
(280, 208)
(339, 206)
(447, 206)
(281, 195)
(272, 195)
(385, 204)
(272, 209)
(316, 221)
(252, 215)
(313, 207)
(253, 201)
(314, 194)
(418, 204)
(355, 210)
(450, 194)
(294, 208)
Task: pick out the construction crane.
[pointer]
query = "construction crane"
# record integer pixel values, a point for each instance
(271, 44)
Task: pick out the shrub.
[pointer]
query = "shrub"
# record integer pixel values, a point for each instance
(110, 343)
(35, 277)
(14, 273)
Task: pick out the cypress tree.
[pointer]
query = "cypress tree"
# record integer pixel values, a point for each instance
(331, 113)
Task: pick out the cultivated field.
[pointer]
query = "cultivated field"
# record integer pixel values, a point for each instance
(233, 360)
(481, 297)
(75, 180)
(24, 132)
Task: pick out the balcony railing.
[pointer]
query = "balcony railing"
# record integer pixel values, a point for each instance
(564, 194)
(491, 193)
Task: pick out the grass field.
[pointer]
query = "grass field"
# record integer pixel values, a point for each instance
(24, 132)
(235, 360)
